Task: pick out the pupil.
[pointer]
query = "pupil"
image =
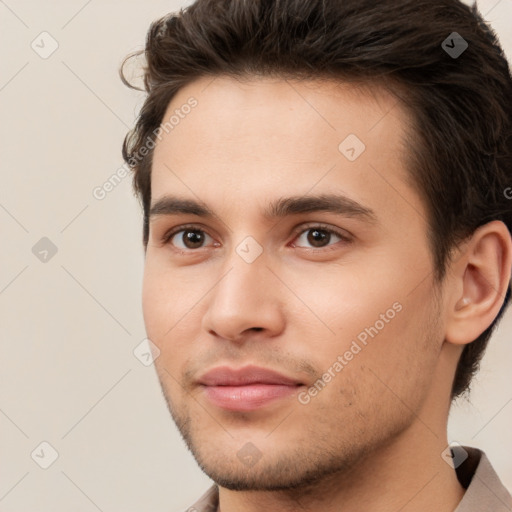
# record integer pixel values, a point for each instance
(316, 237)
(192, 237)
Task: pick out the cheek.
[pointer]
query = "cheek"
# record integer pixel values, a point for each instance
(378, 322)
(164, 290)
(171, 312)
(376, 370)
(350, 300)
(402, 357)
(160, 297)
(151, 298)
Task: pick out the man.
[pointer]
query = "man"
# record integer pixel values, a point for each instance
(327, 236)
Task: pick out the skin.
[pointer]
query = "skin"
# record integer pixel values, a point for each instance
(372, 438)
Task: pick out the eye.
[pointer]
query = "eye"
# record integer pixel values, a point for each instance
(190, 238)
(319, 236)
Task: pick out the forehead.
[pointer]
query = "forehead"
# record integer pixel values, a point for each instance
(248, 140)
(300, 109)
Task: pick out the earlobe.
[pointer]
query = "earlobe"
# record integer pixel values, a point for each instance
(480, 279)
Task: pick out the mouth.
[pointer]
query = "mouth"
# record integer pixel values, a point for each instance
(247, 388)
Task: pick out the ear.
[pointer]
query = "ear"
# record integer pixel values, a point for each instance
(479, 279)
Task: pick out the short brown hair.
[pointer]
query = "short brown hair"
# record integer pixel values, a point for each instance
(460, 152)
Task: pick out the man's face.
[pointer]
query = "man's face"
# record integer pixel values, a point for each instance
(349, 315)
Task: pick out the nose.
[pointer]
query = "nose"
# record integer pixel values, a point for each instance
(246, 299)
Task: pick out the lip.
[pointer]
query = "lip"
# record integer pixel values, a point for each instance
(247, 388)
(225, 376)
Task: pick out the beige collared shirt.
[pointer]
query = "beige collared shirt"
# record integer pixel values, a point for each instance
(484, 490)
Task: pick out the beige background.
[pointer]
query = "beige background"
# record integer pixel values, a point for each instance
(69, 325)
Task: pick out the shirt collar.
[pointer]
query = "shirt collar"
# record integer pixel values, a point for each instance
(484, 489)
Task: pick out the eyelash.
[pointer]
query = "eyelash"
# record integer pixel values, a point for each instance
(167, 237)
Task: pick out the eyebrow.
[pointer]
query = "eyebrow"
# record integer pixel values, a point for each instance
(282, 207)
